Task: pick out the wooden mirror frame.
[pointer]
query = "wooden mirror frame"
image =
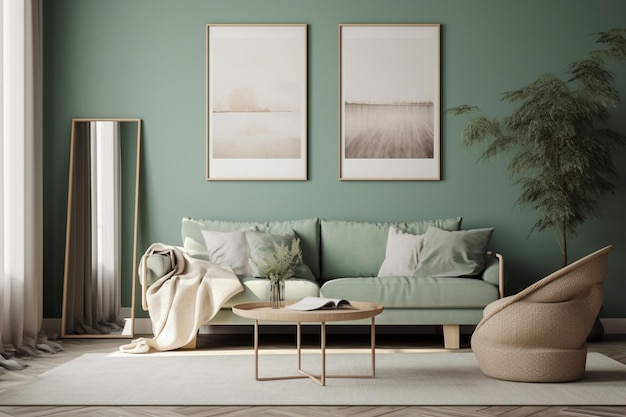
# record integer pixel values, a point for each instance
(131, 328)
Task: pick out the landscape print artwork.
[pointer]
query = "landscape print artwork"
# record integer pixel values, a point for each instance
(256, 94)
(389, 88)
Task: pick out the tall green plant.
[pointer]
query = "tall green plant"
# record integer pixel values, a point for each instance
(559, 144)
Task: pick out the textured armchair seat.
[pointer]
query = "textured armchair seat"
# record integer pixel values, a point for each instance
(539, 334)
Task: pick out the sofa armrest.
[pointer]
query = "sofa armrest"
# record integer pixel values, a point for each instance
(494, 271)
(157, 266)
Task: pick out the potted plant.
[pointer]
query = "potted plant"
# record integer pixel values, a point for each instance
(557, 138)
(277, 266)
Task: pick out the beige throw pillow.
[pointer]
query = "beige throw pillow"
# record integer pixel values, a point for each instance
(402, 253)
(228, 249)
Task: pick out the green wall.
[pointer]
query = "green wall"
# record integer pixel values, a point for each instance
(146, 59)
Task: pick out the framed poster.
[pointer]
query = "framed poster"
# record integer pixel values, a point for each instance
(389, 102)
(256, 102)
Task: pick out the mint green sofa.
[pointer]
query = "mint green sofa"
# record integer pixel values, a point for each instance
(344, 259)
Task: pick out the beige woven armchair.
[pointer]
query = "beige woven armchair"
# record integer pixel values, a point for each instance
(539, 334)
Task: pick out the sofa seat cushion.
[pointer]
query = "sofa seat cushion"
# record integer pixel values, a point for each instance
(413, 292)
(258, 289)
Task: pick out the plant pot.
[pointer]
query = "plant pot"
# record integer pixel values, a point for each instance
(277, 293)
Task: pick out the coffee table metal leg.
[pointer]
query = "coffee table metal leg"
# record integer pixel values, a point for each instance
(256, 350)
(256, 358)
(321, 378)
(323, 342)
(373, 341)
(373, 355)
(303, 374)
(299, 344)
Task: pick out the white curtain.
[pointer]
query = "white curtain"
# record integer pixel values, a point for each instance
(21, 285)
(106, 221)
(94, 265)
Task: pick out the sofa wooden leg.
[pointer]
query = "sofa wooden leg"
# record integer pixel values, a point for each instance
(451, 336)
(192, 344)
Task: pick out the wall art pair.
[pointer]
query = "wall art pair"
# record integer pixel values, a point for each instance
(389, 102)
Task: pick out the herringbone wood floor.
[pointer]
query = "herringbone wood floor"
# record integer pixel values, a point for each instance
(612, 345)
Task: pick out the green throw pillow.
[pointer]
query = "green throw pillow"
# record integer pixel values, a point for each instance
(453, 254)
(261, 243)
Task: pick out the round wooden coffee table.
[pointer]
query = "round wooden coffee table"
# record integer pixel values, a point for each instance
(262, 311)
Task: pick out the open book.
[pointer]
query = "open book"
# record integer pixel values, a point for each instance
(318, 303)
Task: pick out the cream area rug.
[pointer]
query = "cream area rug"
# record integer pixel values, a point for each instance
(222, 378)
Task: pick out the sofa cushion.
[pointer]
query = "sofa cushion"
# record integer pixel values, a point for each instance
(307, 230)
(453, 253)
(413, 292)
(257, 289)
(357, 249)
(401, 254)
(262, 243)
(228, 249)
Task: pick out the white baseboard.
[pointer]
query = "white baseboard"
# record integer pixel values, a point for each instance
(52, 327)
(143, 326)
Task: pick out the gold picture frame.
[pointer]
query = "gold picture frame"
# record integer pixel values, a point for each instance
(389, 102)
(256, 102)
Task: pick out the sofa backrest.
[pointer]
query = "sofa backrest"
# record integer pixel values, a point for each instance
(307, 230)
(357, 249)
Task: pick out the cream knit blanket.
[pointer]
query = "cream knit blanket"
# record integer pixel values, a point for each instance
(184, 299)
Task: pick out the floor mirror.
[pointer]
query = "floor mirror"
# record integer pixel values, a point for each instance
(102, 225)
